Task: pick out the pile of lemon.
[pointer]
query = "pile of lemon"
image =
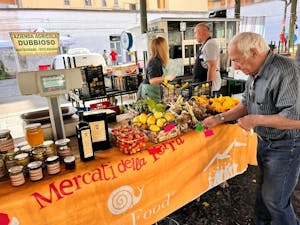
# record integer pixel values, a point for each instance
(154, 122)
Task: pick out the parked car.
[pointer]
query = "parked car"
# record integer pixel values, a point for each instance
(78, 57)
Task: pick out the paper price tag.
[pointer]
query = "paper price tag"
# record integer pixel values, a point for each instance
(199, 127)
(169, 127)
(208, 133)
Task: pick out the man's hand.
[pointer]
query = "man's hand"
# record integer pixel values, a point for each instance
(247, 122)
(211, 122)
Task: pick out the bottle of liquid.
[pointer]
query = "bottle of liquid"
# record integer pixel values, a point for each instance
(99, 129)
(84, 138)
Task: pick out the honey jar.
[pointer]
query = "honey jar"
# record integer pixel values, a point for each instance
(16, 175)
(34, 134)
(53, 165)
(6, 141)
(50, 148)
(35, 170)
(63, 148)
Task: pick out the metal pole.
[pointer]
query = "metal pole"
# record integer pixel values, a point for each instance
(143, 13)
(292, 24)
(237, 9)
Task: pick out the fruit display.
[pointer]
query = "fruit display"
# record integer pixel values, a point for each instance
(129, 140)
(158, 126)
(217, 104)
(188, 112)
(148, 105)
(171, 91)
(162, 135)
(153, 121)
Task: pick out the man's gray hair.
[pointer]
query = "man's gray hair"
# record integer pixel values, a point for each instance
(247, 40)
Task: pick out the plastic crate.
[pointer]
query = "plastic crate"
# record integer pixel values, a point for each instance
(95, 80)
(198, 89)
(126, 83)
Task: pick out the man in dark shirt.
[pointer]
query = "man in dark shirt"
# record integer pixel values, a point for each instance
(270, 106)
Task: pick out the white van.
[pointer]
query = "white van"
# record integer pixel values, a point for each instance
(78, 57)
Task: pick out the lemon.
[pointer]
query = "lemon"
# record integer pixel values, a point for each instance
(161, 122)
(144, 126)
(136, 119)
(154, 127)
(137, 124)
(151, 120)
(158, 115)
(169, 116)
(143, 118)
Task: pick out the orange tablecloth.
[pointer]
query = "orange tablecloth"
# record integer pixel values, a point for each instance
(140, 189)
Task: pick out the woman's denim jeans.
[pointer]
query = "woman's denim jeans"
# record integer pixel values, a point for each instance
(279, 163)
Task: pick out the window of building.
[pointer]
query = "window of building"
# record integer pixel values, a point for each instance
(67, 2)
(104, 3)
(88, 2)
(161, 4)
(116, 3)
(132, 6)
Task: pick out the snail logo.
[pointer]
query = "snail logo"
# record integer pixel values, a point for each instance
(122, 199)
(4, 220)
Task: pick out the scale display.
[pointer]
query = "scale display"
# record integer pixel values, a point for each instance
(53, 83)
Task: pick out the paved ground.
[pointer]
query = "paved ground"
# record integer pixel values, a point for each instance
(13, 104)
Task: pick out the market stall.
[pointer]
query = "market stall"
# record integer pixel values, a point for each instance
(116, 188)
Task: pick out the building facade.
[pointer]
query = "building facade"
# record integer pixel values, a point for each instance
(152, 5)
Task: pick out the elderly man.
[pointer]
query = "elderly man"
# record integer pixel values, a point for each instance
(206, 66)
(270, 106)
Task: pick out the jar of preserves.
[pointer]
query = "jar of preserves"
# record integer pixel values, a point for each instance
(27, 149)
(22, 159)
(50, 148)
(39, 154)
(35, 170)
(16, 175)
(3, 170)
(6, 141)
(10, 160)
(53, 165)
(34, 134)
(70, 162)
(21, 144)
(63, 148)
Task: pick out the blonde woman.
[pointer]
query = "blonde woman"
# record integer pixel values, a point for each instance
(154, 74)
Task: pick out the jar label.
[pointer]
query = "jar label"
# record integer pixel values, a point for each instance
(98, 131)
(87, 144)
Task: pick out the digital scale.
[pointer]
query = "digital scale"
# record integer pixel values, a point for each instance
(51, 84)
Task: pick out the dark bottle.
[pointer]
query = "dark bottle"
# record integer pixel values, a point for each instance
(99, 129)
(84, 138)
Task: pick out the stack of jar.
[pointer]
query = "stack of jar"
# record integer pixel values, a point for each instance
(6, 146)
(29, 158)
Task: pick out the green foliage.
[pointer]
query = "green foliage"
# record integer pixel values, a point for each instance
(148, 105)
(3, 71)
